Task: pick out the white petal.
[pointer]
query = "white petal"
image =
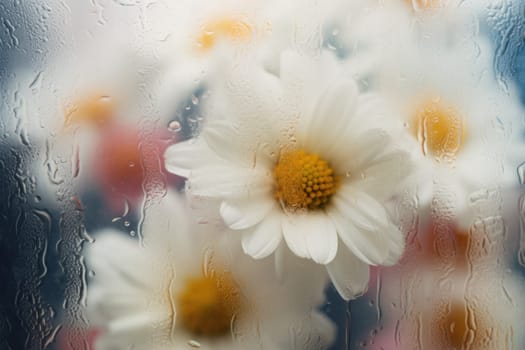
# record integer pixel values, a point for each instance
(280, 260)
(116, 258)
(122, 276)
(255, 99)
(295, 67)
(325, 331)
(229, 182)
(396, 245)
(168, 223)
(372, 110)
(294, 236)
(331, 116)
(225, 141)
(138, 322)
(368, 146)
(395, 164)
(384, 175)
(361, 209)
(110, 302)
(348, 274)
(246, 212)
(266, 237)
(181, 157)
(321, 240)
(312, 236)
(134, 332)
(468, 168)
(369, 246)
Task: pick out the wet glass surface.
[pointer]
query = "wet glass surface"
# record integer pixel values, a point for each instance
(262, 175)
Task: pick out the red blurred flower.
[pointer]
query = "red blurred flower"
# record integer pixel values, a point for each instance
(123, 160)
(72, 339)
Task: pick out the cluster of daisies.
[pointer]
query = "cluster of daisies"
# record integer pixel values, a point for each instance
(274, 150)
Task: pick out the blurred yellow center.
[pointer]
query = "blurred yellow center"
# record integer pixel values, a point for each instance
(440, 129)
(303, 180)
(95, 111)
(207, 305)
(463, 326)
(227, 28)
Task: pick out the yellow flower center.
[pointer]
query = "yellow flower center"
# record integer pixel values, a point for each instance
(440, 129)
(228, 28)
(303, 181)
(207, 305)
(96, 110)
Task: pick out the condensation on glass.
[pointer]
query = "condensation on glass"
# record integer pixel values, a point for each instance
(102, 247)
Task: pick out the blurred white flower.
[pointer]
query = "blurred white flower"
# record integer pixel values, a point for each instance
(480, 310)
(437, 71)
(456, 311)
(375, 27)
(197, 39)
(305, 158)
(187, 287)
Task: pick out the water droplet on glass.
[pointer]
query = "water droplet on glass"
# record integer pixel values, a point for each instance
(105, 99)
(131, 164)
(132, 233)
(174, 126)
(37, 82)
(194, 100)
(331, 47)
(194, 344)
(521, 173)
(78, 204)
(126, 223)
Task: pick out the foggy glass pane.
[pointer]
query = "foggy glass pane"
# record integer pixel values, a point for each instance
(345, 174)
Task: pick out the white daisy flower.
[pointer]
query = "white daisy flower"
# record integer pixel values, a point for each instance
(302, 158)
(78, 102)
(370, 34)
(454, 288)
(198, 37)
(187, 288)
(444, 86)
(478, 310)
